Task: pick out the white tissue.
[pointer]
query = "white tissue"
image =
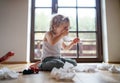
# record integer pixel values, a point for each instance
(64, 73)
(114, 69)
(68, 65)
(5, 73)
(67, 39)
(103, 66)
(85, 68)
(61, 74)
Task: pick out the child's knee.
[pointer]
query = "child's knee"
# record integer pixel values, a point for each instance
(57, 63)
(72, 61)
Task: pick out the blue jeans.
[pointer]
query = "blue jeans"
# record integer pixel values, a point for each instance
(50, 62)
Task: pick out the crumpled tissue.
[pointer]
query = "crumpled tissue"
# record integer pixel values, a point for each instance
(114, 69)
(85, 68)
(64, 73)
(6, 73)
(103, 66)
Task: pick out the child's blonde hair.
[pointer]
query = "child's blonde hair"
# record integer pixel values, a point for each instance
(57, 21)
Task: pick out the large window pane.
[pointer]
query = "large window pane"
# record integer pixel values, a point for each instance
(39, 36)
(37, 49)
(42, 19)
(38, 45)
(70, 12)
(86, 19)
(86, 3)
(66, 3)
(43, 3)
(88, 44)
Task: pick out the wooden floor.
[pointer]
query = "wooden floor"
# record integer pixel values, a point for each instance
(44, 77)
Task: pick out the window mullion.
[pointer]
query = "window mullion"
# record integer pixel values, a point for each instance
(77, 28)
(54, 6)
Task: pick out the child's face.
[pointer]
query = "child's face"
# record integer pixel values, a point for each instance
(62, 27)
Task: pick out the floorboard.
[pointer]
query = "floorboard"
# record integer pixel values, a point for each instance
(44, 77)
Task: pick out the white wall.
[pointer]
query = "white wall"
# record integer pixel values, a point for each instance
(13, 28)
(111, 30)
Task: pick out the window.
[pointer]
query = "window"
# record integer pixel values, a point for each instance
(85, 20)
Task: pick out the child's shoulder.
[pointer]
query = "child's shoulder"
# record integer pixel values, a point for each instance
(48, 34)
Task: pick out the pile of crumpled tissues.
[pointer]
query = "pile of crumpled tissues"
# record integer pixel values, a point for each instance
(109, 67)
(68, 72)
(6, 73)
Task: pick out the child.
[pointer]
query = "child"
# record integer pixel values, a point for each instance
(52, 43)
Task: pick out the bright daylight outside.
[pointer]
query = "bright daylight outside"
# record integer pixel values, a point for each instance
(82, 17)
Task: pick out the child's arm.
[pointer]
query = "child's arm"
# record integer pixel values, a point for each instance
(75, 41)
(54, 39)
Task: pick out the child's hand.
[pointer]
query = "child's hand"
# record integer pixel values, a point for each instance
(76, 40)
(65, 32)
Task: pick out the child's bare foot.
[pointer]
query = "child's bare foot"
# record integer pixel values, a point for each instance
(35, 65)
(7, 56)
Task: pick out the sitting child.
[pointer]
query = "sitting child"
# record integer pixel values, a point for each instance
(52, 43)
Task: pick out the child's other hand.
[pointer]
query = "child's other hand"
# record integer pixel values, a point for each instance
(76, 40)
